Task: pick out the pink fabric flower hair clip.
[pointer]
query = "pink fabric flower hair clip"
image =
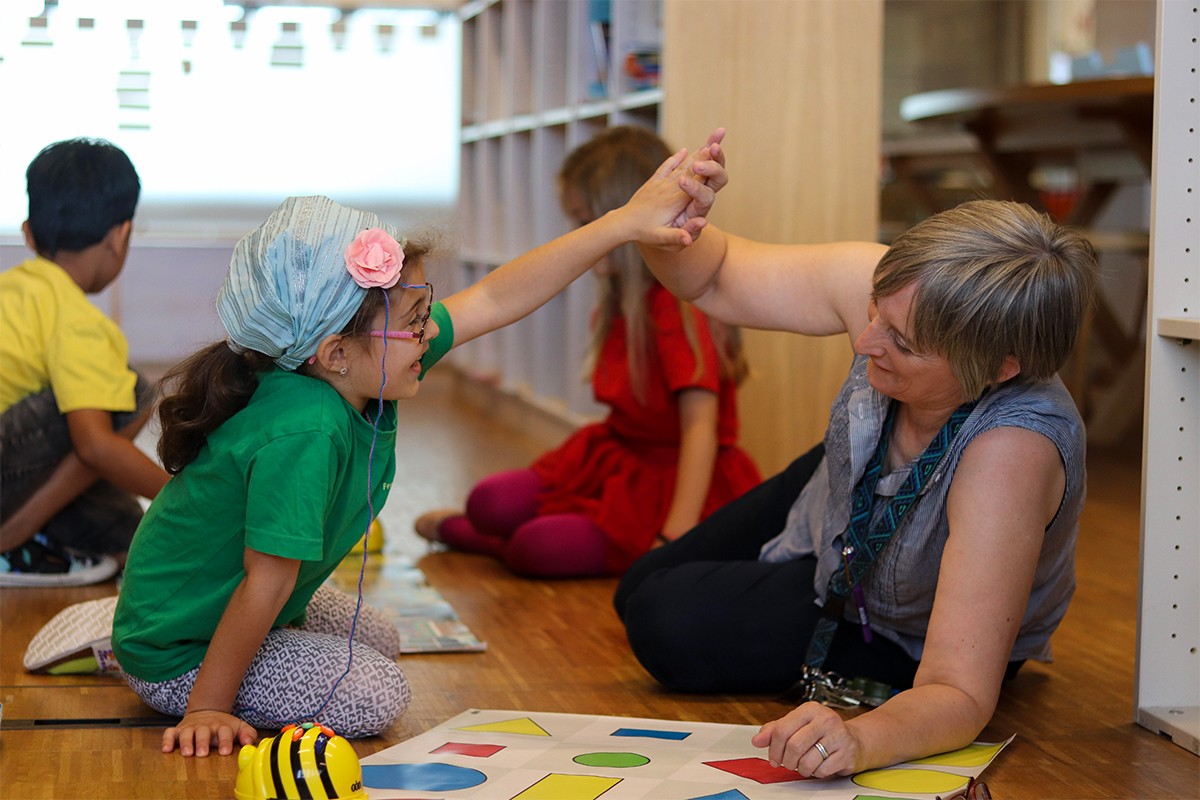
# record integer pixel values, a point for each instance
(374, 258)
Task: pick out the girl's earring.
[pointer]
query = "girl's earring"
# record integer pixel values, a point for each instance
(343, 372)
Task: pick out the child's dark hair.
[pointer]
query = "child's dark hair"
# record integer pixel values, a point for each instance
(207, 388)
(78, 190)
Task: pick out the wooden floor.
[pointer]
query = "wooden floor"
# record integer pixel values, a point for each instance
(557, 646)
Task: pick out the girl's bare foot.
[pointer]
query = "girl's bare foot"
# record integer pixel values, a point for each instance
(429, 524)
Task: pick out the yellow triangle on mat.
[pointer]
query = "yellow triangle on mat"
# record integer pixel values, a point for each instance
(524, 726)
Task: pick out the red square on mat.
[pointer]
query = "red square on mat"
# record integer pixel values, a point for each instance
(477, 750)
(756, 769)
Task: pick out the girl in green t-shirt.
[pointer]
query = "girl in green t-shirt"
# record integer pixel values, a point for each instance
(281, 443)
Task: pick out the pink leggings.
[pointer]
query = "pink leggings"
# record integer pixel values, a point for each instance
(502, 521)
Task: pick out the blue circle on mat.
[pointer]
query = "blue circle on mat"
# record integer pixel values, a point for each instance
(421, 777)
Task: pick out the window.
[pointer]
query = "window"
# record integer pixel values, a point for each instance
(224, 112)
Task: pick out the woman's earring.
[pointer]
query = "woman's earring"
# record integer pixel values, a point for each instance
(343, 372)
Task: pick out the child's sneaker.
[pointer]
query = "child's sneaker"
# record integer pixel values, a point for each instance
(77, 640)
(39, 562)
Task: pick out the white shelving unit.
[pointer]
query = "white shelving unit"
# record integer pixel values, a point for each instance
(1167, 686)
(540, 77)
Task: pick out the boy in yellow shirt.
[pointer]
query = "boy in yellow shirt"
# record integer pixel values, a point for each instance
(70, 405)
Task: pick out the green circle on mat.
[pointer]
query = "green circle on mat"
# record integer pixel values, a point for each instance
(910, 780)
(611, 760)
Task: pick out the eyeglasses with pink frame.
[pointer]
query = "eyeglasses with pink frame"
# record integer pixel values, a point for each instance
(418, 334)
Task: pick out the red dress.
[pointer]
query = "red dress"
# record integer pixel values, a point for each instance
(620, 473)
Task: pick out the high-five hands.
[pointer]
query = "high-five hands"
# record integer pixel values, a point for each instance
(672, 205)
(704, 177)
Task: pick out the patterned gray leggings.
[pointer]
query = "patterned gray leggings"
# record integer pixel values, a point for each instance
(290, 678)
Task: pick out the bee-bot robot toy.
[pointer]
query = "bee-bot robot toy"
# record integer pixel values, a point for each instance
(307, 760)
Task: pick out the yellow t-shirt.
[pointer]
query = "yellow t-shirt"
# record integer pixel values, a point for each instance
(52, 337)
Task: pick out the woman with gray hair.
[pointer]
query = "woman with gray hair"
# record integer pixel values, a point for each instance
(928, 542)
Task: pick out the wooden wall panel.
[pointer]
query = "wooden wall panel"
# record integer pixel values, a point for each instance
(797, 83)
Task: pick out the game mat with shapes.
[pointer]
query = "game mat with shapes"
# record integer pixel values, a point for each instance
(427, 623)
(523, 755)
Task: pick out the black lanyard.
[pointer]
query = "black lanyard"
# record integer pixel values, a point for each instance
(862, 541)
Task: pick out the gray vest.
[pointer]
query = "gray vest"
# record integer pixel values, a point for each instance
(900, 586)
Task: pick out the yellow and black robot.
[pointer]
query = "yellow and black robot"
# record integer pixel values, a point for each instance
(303, 761)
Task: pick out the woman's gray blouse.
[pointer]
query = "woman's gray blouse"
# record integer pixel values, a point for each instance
(900, 586)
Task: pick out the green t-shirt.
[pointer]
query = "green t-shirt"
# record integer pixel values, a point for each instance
(286, 476)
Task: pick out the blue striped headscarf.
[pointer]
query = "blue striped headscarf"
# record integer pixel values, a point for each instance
(288, 287)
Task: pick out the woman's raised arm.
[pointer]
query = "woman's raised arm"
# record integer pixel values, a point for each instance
(814, 289)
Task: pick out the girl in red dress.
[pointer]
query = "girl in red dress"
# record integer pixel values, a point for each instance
(666, 455)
